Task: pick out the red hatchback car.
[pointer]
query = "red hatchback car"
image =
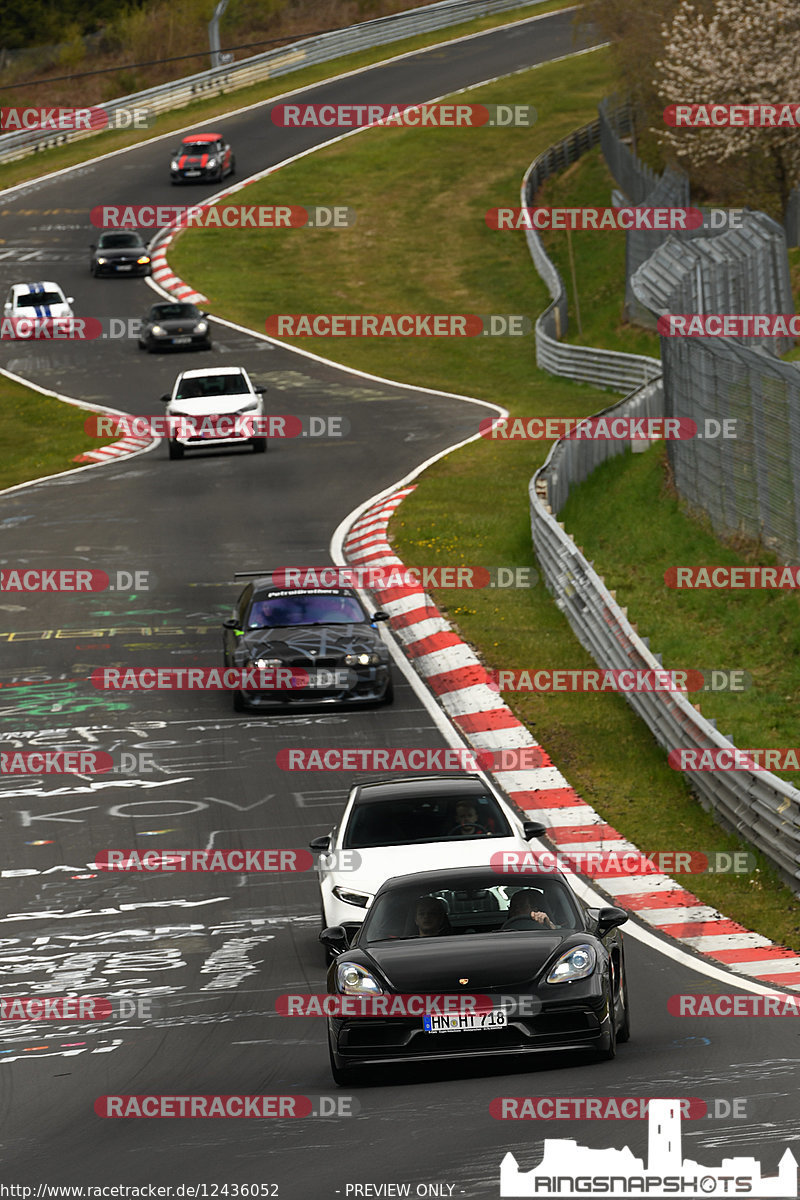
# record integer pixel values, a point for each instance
(203, 157)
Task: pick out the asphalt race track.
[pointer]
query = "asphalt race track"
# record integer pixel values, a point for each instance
(213, 952)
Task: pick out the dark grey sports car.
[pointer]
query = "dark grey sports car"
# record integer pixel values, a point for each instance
(551, 969)
(174, 325)
(325, 634)
(120, 253)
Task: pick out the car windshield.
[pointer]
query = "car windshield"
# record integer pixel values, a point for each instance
(167, 312)
(118, 241)
(440, 818)
(304, 608)
(200, 387)
(467, 907)
(40, 299)
(198, 148)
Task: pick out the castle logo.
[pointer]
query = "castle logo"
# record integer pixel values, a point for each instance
(568, 1169)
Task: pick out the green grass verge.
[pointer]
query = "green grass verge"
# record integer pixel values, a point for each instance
(69, 155)
(39, 435)
(421, 244)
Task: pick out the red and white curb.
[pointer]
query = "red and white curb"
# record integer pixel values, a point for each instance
(165, 277)
(457, 677)
(120, 449)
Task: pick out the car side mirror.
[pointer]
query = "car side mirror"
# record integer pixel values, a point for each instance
(70, 299)
(320, 844)
(93, 247)
(533, 829)
(335, 939)
(165, 399)
(260, 390)
(231, 623)
(609, 918)
(380, 615)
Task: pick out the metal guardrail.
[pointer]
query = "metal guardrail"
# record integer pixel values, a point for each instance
(603, 368)
(271, 64)
(758, 805)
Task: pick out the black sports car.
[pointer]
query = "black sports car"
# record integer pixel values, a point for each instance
(323, 633)
(553, 968)
(174, 325)
(120, 253)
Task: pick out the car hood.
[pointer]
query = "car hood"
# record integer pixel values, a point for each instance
(177, 325)
(121, 252)
(493, 962)
(380, 863)
(311, 642)
(215, 406)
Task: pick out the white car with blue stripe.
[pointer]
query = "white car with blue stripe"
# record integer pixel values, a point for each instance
(37, 300)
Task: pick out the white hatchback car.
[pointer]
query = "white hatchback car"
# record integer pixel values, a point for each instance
(37, 300)
(214, 392)
(419, 823)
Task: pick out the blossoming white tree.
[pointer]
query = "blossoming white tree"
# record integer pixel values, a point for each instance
(743, 52)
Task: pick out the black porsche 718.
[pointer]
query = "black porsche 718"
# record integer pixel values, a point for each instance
(325, 632)
(174, 325)
(553, 967)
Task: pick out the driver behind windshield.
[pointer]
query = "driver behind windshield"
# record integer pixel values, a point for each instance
(431, 917)
(467, 821)
(525, 912)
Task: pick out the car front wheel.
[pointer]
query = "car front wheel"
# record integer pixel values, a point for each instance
(343, 1078)
(259, 445)
(175, 450)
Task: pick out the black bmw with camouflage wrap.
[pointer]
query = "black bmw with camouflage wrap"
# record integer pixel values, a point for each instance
(324, 635)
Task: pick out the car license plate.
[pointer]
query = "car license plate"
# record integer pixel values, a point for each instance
(189, 173)
(181, 341)
(464, 1022)
(125, 267)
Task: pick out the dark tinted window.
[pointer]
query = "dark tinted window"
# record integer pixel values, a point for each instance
(443, 819)
(119, 241)
(201, 387)
(305, 608)
(166, 312)
(470, 907)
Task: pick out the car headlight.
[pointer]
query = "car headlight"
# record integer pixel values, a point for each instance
(101, 261)
(201, 327)
(212, 162)
(359, 899)
(354, 980)
(144, 258)
(174, 165)
(158, 331)
(266, 664)
(576, 963)
(251, 407)
(361, 660)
